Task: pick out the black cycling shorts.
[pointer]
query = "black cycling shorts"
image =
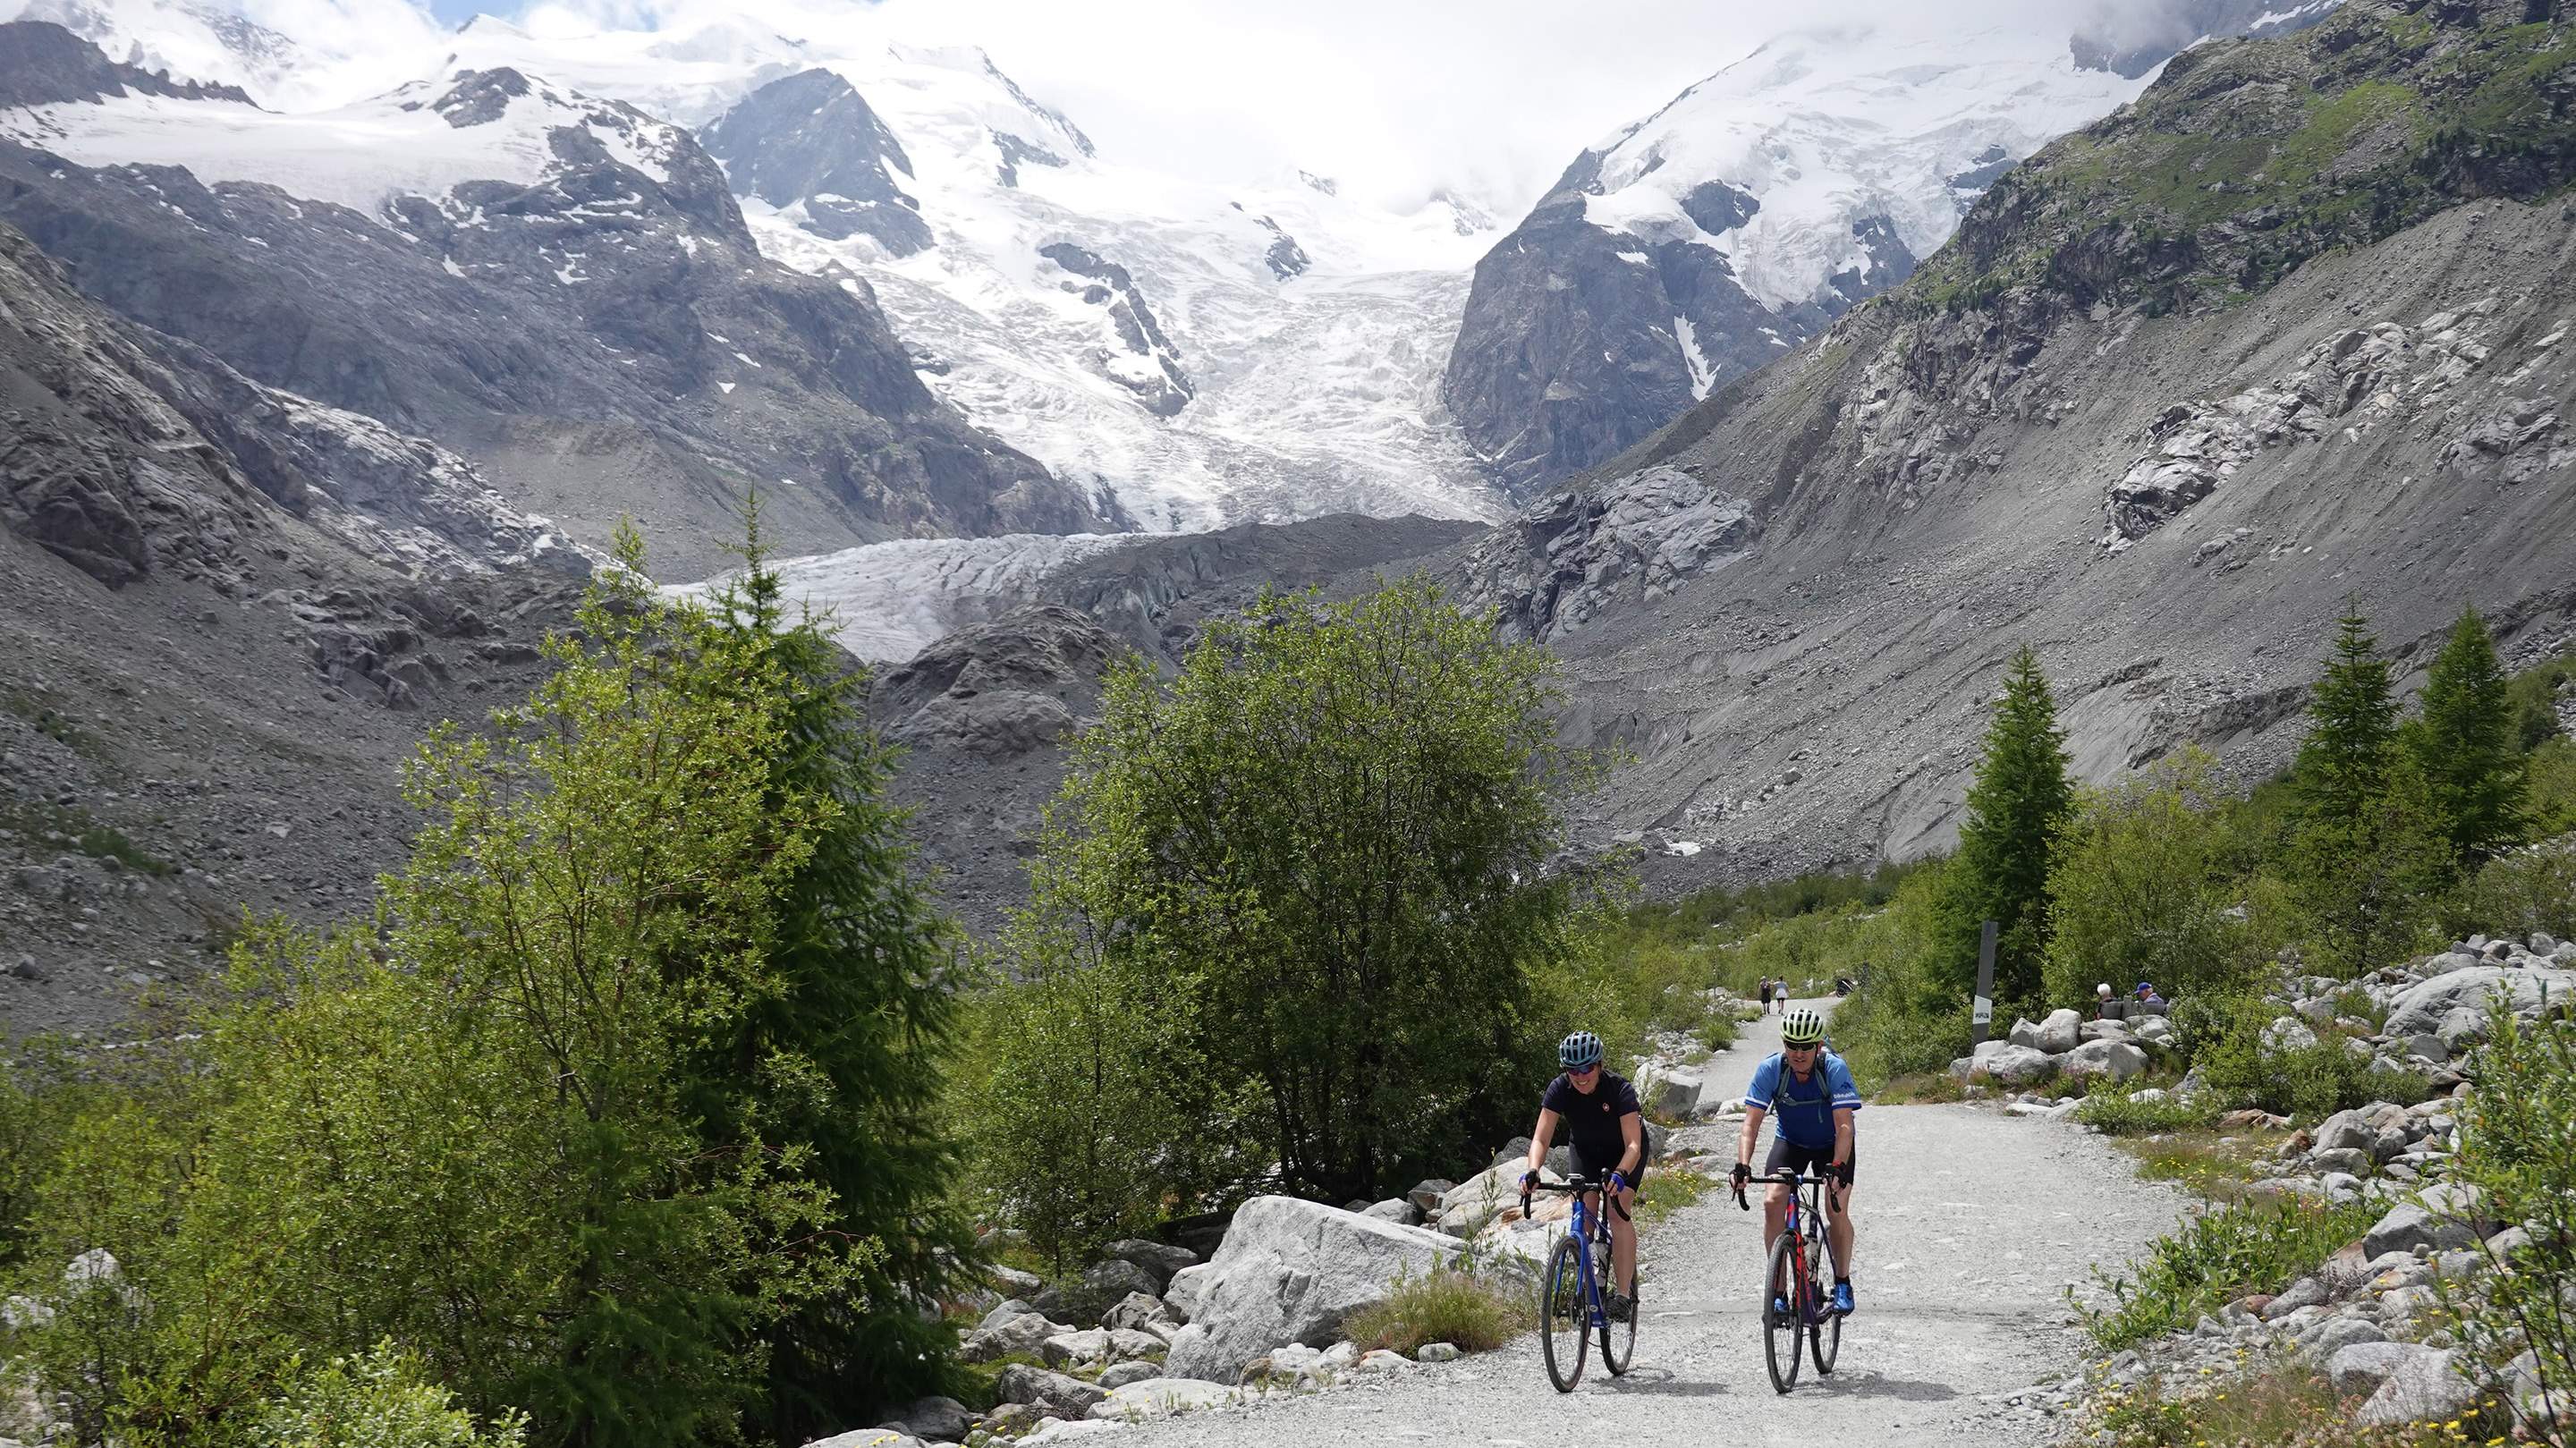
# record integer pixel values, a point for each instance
(1585, 1166)
(1814, 1161)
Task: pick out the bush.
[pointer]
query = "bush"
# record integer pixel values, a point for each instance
(1471, 1312)
(2517, 1153)
(2310, 1083)
(2217, 1256)
(2524, 890)
(2118, 1112)
(2135, 892)
(380, 1400)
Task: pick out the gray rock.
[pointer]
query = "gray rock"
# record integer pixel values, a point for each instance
(1135, 1310)
(938, 1420)
(1004, 1311)
(2288, 1033)
(1052, 1391)
(2429, 1046)
(25, 968)
(2427, 1007)
(2024, 1032)
(1075, 1349)
(2362, 1366)
(1127, 1344)
(2345, 1130)
(1137, 1370)
(1396, 1210)
(1181, 1299)
(2060, 1032)
(1439, 1352)
(2341, 1160)
(867, 1438)
(2447, 1217)
(2425, 1388)
(1426, 1194)
(1018, 1337)
(2118, 1060)
(1291, 1271)
(2337, 1333)
(2308, 1291)
(1161, 1259)
(2012, 1065)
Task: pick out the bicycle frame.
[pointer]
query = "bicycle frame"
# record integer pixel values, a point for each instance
(1588, 1228)
(1806, 1198)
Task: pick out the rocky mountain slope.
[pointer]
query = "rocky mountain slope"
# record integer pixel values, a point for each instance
(1704, 241)
(558, 286)
(225, 613)
(2288, 335)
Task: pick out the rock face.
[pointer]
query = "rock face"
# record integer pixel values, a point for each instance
(1001, 689)
(810, 141)
(2428, 1008)
(1937, 469)
(1703, 242)
(1143, 359)
(1631, 539)
(607, 303)
(1291, 1271)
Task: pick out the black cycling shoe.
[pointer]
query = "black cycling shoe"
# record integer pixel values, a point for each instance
(1619, 1305)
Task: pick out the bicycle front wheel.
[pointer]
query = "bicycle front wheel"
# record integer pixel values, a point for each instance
(1781, 1329)
(1619, 1339)
(1564, 1316)
(1824, 1325)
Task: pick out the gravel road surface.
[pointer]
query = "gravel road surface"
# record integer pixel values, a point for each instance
(1971, 1225)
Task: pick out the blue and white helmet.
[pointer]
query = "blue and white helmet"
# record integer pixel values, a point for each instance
(1578, 1050)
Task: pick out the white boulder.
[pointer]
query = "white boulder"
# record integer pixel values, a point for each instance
(2426, 1008)
(1162, 1397)
(2116, 1059)
(2057, 1034)
(1290, 1271)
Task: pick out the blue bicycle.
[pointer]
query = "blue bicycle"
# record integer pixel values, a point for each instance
(1570, 1298)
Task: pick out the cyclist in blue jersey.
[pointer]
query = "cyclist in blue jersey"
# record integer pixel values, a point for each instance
(1810, 1091)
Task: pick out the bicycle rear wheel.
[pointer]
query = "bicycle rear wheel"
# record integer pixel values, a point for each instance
(1619, 1339)
(1781, 1330)
(1564, 1316)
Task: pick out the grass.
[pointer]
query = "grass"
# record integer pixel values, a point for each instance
(2216, 1167)
(1474, 1314)
(1717, 1032)
(2218, 1256)
(50, 722)
(1667, 1192)
(2118, 1112)
(61, 822)
(1919, 1088)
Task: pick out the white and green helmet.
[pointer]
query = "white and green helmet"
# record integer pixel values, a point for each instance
(1802, 1027)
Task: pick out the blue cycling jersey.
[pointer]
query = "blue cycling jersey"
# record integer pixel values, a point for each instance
(1802, 1111)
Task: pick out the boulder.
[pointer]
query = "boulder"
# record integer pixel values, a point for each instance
(937, 1420)
(2362, 1366)
(1017, 1337)
(2428, 1006)
(1134, 1311)
(1181, 1299)
(1108, 1282)
(2426, 1388)
(2288, 1033)
(2445, 1218)
(1468, 1206)
(1012, 1282)
(1075, 1349)
(1426, 1194)
(1004, 1311)
(1128, 1343)
(2014, 1065)
(1120, 1374)
(2024, 1032)
(1161, 1397)
(2059, 1033)
(1054, 1392)
(855, 1438)
(2343, 1160)
(2103, 1031)
(1396, 1210)
(1290, 1271)
(1158, 1258)
(2335, 1334)
(1674, 1093)
(2345, 1130)
(1436, 1352)
(2118, 1060)
(2429, 1046)
(2155, 1031)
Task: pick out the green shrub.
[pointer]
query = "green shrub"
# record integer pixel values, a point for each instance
(2217, 1256)
(2533, 888)
(2118, 1112)
(1716, 1031)
(2309, 1083)
(1473, 1313)
(380, 1400)
(2135, 892)
(2516, 1151)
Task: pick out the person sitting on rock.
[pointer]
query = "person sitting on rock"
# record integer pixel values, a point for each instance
(2150, 1003)
(1811, 1091)
(1606, 1133)
(2108, 1007)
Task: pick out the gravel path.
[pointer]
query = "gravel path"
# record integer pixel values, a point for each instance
(1971, 1223)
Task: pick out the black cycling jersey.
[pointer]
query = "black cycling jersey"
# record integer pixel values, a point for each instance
(1592, 1118)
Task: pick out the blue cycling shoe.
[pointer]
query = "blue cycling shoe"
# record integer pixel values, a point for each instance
(1843, 1297)
(1779, 1309)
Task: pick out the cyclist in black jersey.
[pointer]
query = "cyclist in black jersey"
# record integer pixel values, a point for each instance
(1606, 1133)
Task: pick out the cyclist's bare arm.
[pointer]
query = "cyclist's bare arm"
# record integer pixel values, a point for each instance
(1633, 1127)
(1843, 1129)
(1540, 1137)
(1752, 1133)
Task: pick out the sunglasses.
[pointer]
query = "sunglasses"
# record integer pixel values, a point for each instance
(1582, 1070)
(1802, 1050)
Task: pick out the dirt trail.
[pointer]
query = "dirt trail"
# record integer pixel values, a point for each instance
(1971, 1225)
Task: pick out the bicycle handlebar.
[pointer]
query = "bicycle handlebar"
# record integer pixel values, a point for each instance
(1577, 1184)
(1789, 1179)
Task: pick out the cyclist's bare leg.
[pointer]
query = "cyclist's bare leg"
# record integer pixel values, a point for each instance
(1775, 1215)
(1838, 1229)
(1623, 1243)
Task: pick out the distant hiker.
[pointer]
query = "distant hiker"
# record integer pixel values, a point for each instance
(1766, 995)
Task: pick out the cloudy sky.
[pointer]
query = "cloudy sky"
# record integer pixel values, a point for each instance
(1393, 98)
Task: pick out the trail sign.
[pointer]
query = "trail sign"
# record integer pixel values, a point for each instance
(1984, 1015)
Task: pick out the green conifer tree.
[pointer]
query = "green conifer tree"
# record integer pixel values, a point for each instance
(2367, 853)
(2016, 808)
(841, 1062)
(2467, 746)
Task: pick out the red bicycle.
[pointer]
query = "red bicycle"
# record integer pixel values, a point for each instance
(1797, 1301)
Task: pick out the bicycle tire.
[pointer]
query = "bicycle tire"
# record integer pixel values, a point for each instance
(1563, 1313)
(1781, 1281)
(1825, 1328)
(1619, 1339)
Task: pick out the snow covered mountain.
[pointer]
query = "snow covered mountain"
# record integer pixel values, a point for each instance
(1201, 354)
(1697, 244)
